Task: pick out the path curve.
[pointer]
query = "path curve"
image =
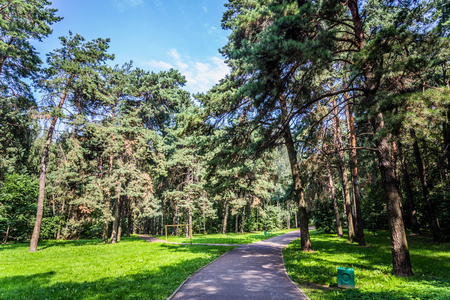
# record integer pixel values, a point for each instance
(252, 271)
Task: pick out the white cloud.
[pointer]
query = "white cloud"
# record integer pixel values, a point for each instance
(174, 53)
(161, 65)
(200, 75)
(205, 9)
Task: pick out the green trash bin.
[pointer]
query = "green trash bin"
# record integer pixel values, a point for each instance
(346, 277)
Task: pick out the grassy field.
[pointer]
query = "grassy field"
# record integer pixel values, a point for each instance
(88, 269)
(316, 272)
(229, 238)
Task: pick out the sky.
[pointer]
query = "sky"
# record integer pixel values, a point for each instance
(155, 34)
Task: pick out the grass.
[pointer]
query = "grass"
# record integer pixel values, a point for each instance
(229, 238)
(88, 269)
(316, 271)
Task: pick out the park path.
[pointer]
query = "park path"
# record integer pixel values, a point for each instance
(253, 271)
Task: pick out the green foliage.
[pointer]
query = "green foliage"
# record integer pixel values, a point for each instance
(20, 23)
(273, 218)
(17, 131)
(88, 269)
(443, 212)
(323, 216)
(372, 267)
(229, 238)
(18, 195)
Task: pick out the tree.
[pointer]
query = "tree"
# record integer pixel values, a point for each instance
(21, 22)
(73, 67)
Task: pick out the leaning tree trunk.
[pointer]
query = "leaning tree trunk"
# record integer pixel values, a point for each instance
(335, 204)
(426, 194)
(43, 171)
(359, 226)
(343, 173)
(305, 241)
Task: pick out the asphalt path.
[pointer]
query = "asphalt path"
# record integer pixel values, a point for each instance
(253, 271)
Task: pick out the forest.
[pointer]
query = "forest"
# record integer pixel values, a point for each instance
(335, 114)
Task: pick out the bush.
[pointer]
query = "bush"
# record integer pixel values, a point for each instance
(18, 195)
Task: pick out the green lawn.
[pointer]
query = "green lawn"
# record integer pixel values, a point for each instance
(88, 269)
(316, 272)
(229, 238)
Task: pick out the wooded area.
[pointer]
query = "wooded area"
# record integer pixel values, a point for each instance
(336, 113)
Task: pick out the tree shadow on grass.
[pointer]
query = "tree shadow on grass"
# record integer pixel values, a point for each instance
(45, 244)
(432, 272)
(158, 284)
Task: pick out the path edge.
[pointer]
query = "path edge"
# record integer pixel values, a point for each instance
(190, 276)
(288, 277)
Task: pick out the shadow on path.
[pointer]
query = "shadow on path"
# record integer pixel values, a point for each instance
(253, 271)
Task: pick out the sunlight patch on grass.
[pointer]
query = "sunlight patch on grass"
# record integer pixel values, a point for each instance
(131, 269)
(316, 271)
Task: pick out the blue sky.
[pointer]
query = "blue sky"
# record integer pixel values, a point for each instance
(155, 34)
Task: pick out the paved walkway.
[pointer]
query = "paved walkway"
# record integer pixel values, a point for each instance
(253, 271)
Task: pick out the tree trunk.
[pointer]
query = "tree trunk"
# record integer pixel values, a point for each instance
(6, 236)
(204, 222)
(236, 223)
(186, 235)
(409, 193)
(243, 219)
(58, 233)
(343, 174)
(434, 226)
(176, 221)
(446, 130)
(359, 226)
(116, 220)
(257, 220)
(129, 220)
(335, 204)
(135, 223)
(399, 245)
(225, 217)
(298, 188)
(288, 218)
(43, 173)
(162, 223)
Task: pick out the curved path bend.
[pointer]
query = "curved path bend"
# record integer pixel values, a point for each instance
(253, 271)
